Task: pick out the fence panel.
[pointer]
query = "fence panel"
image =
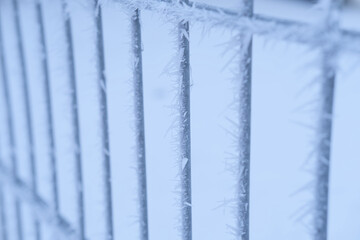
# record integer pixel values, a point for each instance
(326, 36)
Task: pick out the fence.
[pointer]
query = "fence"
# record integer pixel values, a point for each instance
(325, 36)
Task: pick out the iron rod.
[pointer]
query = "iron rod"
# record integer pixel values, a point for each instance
(139, 124)
(327, 89)
(184, 131)
(27, 104)
(48, 103)
(323, 160)
(3, 215)
(244, 128)
(100, 64)
(11, 133)
(3, 212)
(75, 121)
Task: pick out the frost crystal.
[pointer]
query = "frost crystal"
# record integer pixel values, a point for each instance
(184, 163)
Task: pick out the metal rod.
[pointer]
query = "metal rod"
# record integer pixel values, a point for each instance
(244, 130)
(48, 103)
(4, 227)
(184, 131)
(327, 89)
(11, 133)
(100, 64)
(139, 124)
(323, 160)
(3, 212)
(27, 104)
(3, 215)
(75, 121)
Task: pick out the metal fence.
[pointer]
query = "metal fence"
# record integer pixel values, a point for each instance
(326, 36)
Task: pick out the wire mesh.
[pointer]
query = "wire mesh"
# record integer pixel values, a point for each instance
(244, 21)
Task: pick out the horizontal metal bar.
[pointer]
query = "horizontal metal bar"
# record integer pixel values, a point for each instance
(39, 207)
(309, 34)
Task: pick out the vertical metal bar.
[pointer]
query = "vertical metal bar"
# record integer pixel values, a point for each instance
(184, 121)
(100, 64)
(28, 117)
(48, 103)
(3, 213)
(139, 124)
(3, 216)
(324, 148)
(75, 121)
(11, 132)
(327, 88)
(244, 130)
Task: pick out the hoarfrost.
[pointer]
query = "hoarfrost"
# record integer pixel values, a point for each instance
(184, 163)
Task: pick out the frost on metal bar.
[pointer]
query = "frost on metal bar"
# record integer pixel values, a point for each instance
(139, 124)
(184, 127)
(3, 216)
(40, 209)
(74, 122)
(11, 134)
(48, 103)
(27, 104)
(257, 25)
(327, 88)
(100, 64)
(243, 94)
(10, 129)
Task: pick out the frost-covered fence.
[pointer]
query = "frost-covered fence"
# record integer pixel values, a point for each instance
(325, 36)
